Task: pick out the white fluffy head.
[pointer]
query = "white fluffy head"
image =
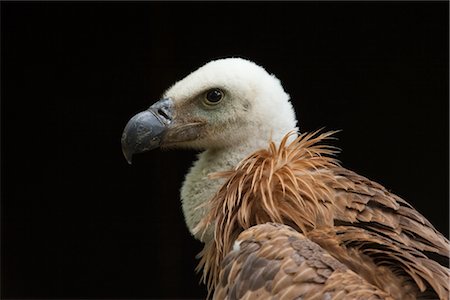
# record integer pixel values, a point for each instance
(254, 104)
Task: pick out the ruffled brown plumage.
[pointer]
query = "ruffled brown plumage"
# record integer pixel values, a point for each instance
(376, 234)
(273, 261)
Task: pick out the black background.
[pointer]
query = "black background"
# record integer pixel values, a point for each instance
(78, 222)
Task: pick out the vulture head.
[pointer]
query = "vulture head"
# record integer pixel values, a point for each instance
(225, 103)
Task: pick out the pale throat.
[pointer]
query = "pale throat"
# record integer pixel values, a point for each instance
(199, 188)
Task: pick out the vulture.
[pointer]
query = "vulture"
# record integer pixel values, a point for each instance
(279, 216)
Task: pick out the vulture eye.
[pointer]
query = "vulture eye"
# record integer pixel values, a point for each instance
(213, 96)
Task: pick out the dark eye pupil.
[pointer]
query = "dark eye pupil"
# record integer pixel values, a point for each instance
(214, 95)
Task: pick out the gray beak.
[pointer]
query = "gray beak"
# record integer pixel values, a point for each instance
(146, 129)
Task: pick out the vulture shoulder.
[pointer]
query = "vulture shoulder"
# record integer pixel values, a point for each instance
(342, 233)
(273, 261)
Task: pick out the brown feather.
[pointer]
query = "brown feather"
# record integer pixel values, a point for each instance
(375, 233)
(301, 270)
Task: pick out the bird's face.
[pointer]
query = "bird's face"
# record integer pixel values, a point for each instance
(223, 103)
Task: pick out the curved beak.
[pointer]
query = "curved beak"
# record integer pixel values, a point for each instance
(146, 129)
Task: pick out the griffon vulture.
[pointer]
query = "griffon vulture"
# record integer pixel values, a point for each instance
(279, 216)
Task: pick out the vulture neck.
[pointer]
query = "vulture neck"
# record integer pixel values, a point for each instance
(198, 188)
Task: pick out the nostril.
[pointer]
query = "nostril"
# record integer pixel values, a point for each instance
(162, 110)
(164, 114)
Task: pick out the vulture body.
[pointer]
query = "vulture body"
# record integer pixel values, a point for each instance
(279, 216)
